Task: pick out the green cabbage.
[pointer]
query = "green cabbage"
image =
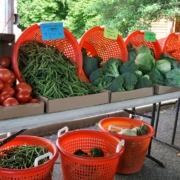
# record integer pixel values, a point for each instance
(128, 132)
(143, 49)
(145, 62)
(163, 65)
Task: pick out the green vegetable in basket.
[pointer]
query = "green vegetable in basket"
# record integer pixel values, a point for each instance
(90, 64)
(98, 73)
(96, 152)
(145, 62)
(22, 157)
(117, 85)
(172, 78)
(111, 67)
(128, 132)
(128, 66)
(143, 49)
(103, 82)
(143, 82)
(156, 76)
(80, 152)
(130, 80)
(50, 73)
(163, 65)
(141, 130)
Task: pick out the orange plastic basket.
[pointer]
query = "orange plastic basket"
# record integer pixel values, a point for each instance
(136, 38)
(86, 168)
(135, 146)
(68, 45)
(171, 45)
(41, 172)
(95, 43)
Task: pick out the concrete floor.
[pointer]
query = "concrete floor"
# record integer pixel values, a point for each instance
(162, 152)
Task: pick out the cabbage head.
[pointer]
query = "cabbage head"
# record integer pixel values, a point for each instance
(163, 65)
(143, 49)
(145, 62)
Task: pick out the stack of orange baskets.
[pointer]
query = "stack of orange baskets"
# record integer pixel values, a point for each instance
(68, 45)
(88, 168)
(135, 146)
(136, 38)
(41, 172)
(171, 45)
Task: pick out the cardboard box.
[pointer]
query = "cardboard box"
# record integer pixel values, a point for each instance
(21, 110)
(63, 104)
(126, 95)
(158, 89)
(6, 44)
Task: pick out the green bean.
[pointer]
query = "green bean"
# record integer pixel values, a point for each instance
(50, 73)
(21, 157)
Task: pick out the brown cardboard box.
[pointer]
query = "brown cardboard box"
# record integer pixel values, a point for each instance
(126, 95)
(158, 89)
(63, 104)
(6, 44)
(22, 110)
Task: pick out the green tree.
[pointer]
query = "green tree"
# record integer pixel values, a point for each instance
(35, 11)
(130, 15)
(80, 15)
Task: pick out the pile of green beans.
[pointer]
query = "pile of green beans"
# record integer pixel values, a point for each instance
(22, 157)
(50, 73)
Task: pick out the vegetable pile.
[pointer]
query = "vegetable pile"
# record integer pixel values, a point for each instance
(94, 152)
(22, 157)
(50, 73)
(12, 94)
(140, 71)
(136, 131)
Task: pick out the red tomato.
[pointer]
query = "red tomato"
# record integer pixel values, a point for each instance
(5, 75)
(13, 77)
(7, 84)
(4, 96)
(33, 100)
(9, 90)
(10, 102)
(23, 96)
(1, 85)
(23, 87)
(5, 61)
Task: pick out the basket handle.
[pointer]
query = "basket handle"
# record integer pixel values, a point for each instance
(137, 117)
(49, 154)
(115, 127)
(121, 143)
(64, 129)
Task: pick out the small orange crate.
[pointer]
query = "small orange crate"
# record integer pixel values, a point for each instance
(135, 146)
(171, 45)
(41, 172)
(136, 38)
(95, 43)
(68, 45)
(87, 168)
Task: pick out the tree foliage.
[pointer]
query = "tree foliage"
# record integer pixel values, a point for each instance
(80, 15)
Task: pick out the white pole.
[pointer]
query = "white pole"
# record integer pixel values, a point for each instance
(9, 16)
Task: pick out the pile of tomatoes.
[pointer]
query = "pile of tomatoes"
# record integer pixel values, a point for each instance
(12, 94)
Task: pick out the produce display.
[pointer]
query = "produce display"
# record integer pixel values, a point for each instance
(135, 131)
(140, 71)
(22, 157)
(11, 93)
(50, 73)
(94, 152)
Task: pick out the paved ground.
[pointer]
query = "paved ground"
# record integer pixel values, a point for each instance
(164, 153)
